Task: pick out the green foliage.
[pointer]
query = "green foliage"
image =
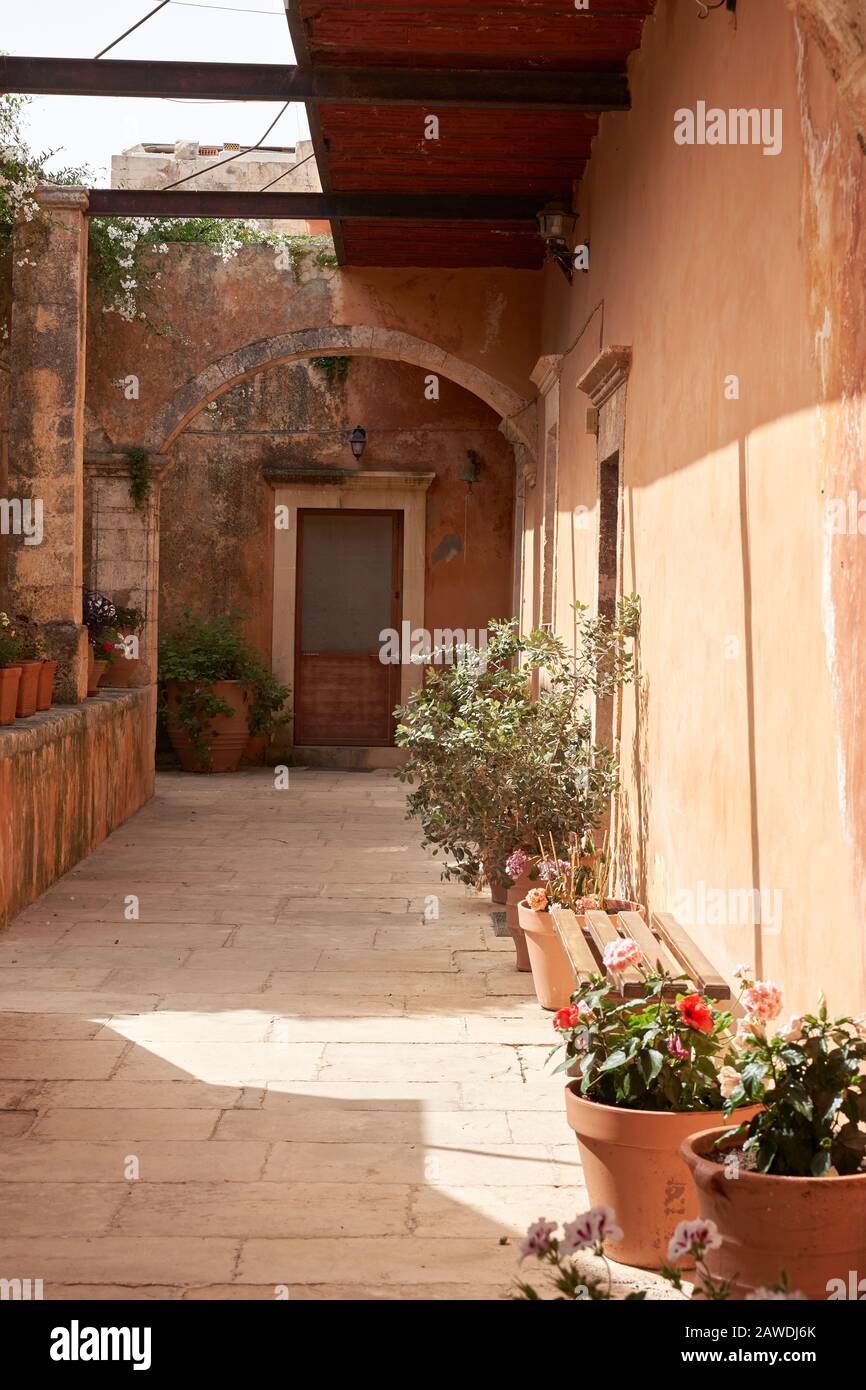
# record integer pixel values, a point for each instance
(334, 369)
(139, 476)
(493, 769)
(642, 1054)
(810, 1081)
(129, 620)
(198, 653)
(11, 641)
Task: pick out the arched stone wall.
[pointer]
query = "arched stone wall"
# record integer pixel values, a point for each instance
(516, 413)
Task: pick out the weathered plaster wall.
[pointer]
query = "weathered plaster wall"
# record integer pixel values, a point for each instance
(67, 779)
(479, 327)
(217, 513)
(743, 746)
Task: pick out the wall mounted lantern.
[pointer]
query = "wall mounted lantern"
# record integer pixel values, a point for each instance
(358, 441)
(556, 224)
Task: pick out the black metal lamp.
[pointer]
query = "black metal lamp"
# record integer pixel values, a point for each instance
(358, 441)
(556, 224)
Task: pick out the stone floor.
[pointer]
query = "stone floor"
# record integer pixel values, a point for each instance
(279, 1080)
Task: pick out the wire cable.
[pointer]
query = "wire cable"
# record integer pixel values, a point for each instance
(291, 170)
(133, 27)
(198, 172)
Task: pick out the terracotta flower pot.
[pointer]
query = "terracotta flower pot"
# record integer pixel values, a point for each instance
(255, 748)
(28, 688)
(121, 669)
(551, 972)
(45, 692)
(10, 678)
(225, 735)
(95, 671)
(632, 1162)
(498, 894)
(513, 895)
(812, 1228)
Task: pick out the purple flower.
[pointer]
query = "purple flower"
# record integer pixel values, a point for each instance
(553, 870)
(516, 864)
(676, 1049)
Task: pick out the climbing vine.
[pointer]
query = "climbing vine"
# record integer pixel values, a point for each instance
(139, 475)
(333, 369)
(124, 252)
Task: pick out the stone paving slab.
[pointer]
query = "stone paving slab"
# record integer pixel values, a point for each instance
(281, 1080)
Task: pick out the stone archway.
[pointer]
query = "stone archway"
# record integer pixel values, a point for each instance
(517, 414)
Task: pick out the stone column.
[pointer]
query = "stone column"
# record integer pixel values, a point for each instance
(121, 544)
(46, 434)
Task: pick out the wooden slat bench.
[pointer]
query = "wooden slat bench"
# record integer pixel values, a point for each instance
(663, 943)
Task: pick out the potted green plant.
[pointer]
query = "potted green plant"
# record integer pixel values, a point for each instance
(211, 680)
(268, 712)
(800, 1190)
(125, 662)
(494, 768)
(10, 668)
(100, 615)
(647, 1073)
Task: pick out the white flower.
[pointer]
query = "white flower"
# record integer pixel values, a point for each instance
(538, 1238)
(744, 973)
(793, 1031)
(590, 1231)
(693, 1238)
(729, 1080)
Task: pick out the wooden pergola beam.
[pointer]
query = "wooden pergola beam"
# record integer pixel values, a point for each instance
(433, 87)
(345, 207)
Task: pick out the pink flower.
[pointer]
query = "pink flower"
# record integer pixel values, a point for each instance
(536, 898)
(762, 1001)
(538, 1239)
(729, 1080)
(590, 1231)
(619, 955)
(693, 1238)
(516, 864)
(675, 1048)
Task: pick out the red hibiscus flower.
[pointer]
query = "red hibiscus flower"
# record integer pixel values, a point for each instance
(695, 1013)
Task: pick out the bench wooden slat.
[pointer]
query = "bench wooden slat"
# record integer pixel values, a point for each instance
(603, 930)
(656, 953)
(575, 944)
(690, 956)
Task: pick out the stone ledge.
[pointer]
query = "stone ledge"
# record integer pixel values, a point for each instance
(27, 735)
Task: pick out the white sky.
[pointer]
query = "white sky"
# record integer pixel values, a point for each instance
(91, 129)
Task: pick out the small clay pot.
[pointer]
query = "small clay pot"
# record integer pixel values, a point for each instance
(513, 895)
(28, 688)
(10, 679)
(95, 672)
(551, 971)
(120, 669)
(45, 693)
(813, 1229)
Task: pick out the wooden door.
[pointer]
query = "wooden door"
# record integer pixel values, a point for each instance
(350, 565)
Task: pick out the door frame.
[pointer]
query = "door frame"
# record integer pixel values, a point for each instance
(396, 614)
(330, 491)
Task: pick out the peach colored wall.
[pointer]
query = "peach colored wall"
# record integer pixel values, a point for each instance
(743, 746)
